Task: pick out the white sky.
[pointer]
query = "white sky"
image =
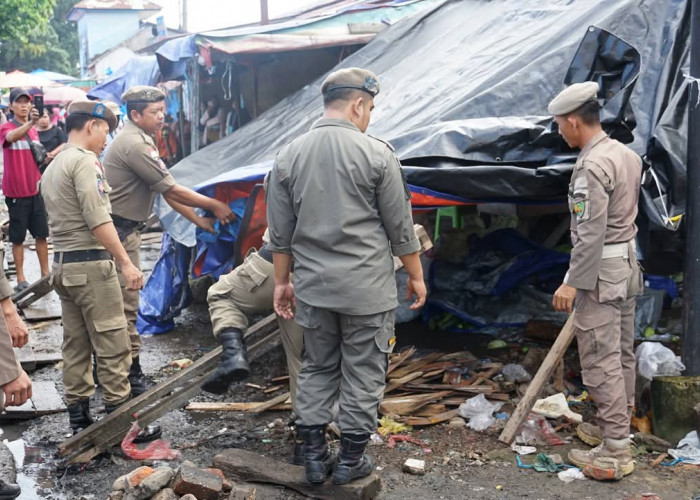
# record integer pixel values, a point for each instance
(204, 15)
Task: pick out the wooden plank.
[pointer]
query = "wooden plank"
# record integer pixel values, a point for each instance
(272, 403)
(431, 410)
(246, 466)
(437, 419)
(540, 379)
(45, 401)
(416, 365)
(26, 357)
(110, 429)
(45, 312)
(408, 404)
(33, 292)
(491, 370)
(400, 359)
(207, 406)
(47, 358)
(396, 383)
(459, 388)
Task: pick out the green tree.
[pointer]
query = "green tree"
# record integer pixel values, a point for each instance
(19, 17)
(67, 32)
(41, 50)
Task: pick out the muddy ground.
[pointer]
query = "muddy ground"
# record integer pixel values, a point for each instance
(462, 464)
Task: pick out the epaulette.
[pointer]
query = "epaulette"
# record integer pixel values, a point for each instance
(382, 141)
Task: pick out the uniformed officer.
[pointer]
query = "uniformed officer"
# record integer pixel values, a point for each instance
(136, 174)
(338, 205)
(604, 276)
(76, 192)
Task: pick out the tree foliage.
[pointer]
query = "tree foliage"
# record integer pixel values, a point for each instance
(19, 17)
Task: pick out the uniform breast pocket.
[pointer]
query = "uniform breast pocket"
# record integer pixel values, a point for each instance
(613, 283)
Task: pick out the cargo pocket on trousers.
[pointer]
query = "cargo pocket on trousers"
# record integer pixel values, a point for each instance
(588, 323)
(612, 284)
(385, 338)
(74, 280)
(112, 339)
(109, 324)
(253, 276)
(593, 377)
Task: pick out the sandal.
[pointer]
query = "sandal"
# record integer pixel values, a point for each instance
(21, 286)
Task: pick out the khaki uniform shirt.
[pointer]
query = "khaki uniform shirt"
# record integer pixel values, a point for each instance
(76, 195)
(603, 197)
(10, 368)
(136, 173)
(337, 201)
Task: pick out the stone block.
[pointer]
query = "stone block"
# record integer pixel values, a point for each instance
(203, 485)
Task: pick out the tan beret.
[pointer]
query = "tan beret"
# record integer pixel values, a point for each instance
(143, 93)
(573, 97)
(96, 109)
(351, 78)
(116, 109)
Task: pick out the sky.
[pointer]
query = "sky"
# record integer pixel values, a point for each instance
(204, 15)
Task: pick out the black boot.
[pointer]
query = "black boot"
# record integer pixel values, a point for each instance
(9, 491)
(79, 416)
(234, 363)
(352, 463)
(150, 433)
(139, 382)
(298, 457)
(319, 459)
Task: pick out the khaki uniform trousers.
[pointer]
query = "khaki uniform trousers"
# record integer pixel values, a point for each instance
(604, 323)
(132, 245)
(249, 289)
(93, 320)
(343, 352)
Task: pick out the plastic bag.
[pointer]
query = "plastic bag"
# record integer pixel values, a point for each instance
(516, 373)
(571, 475)
(654, 360)
(537, 431)
(556, 406)
(480, 412)
(156, 450)
(688, 449)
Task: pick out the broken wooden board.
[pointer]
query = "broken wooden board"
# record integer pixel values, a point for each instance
(396, 360)
(282, 398)
(26, 358)
(480, 389)
(170, 394)
(398, 382)
(540, 379)
(408, 404)
(424, 421)
(246, 466)
(416, 365)
(206, 406)
(49, 311)
(45, 401)
(33, 292)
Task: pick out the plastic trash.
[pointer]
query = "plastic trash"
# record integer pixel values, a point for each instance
(571, 475)
(389, 426)
(688, 449)
(480, 412)
(556, 406)
(516, 373)
(523, 450)
(156, 450)
(654, 360)
(537, 431)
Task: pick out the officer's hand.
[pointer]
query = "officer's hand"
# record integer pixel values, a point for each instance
(18, 330)
(284, 301)
(416, 287)
(133, 277)
(18, 391)
(206, 224)
(34, 116)
(564, 298)
(223, 213)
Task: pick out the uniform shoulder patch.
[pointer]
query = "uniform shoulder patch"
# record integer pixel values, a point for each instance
(382, 141)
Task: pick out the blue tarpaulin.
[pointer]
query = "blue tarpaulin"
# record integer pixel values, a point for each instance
(141, 70)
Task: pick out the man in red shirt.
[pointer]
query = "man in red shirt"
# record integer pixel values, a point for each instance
(20, 184)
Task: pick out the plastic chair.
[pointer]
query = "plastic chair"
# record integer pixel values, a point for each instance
(455, 213)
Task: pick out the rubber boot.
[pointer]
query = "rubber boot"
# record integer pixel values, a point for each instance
(352, 462)
(79, 416)
(139, 382)
(9, 491)
(298, 457)
(319, 459)
(150, 433)
(234, 363)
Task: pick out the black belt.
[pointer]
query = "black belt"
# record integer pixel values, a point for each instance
(128, 224)
(81, 256)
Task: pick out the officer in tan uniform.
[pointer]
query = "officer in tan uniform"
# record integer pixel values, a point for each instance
(76, 192)
(604, 276)
(136, 174)
(337, 205)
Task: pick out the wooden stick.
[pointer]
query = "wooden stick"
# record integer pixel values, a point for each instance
(283, 378)
(273, 402)
(396, 383)
(274, 388)
(659, 459)
(447, 387)
(400, 358)
(203, 406)
(541, 377)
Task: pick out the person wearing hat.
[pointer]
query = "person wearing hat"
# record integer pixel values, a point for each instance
(338, 206)
(604, 276)
(86, 252)
(136, 174)
(20, 183)
(117, 110)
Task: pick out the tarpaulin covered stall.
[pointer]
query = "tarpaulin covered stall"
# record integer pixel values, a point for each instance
(465, 88)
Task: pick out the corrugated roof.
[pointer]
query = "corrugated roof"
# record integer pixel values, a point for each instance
(116, 5)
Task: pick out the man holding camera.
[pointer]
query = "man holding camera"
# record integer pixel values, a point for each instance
(20, 183)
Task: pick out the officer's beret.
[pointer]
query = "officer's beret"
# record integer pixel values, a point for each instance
(96, 109)
(116, 109)
(143, 93)
(573, 97)
(351, 78)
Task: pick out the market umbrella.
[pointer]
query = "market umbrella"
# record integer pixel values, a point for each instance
(63, 95)
(22, 79)
(53, 76)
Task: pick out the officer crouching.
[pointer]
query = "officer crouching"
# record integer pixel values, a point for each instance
(86, 244)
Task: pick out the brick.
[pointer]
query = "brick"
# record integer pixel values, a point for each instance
(136, 476)
(226, 485)
(203, 485)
